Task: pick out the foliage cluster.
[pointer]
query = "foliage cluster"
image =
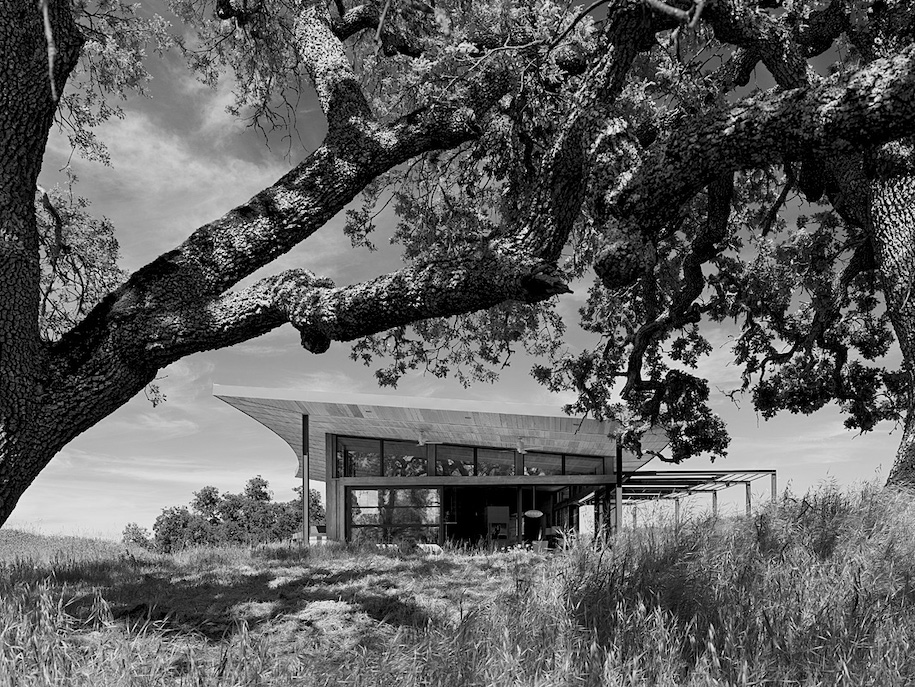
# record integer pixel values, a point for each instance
(214, 519)
(801, 294)
(815, 591)
(799, 291)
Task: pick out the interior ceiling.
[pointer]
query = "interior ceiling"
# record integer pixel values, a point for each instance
(496, 425)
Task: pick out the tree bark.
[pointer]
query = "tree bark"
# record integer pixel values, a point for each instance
(29, 78)
(893, 237)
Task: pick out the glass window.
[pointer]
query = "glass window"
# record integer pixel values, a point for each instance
(404, 459)
(386, 515)
(542, 463)
(454, 461)
(584, 465)
(491, 461)
(372, 498)
(361, 457)
(427, 515)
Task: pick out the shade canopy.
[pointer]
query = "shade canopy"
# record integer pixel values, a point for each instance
(426, 421)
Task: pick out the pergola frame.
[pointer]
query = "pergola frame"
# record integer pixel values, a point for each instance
(655, 485)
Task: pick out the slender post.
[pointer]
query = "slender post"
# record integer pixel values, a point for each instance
(773, 488)
(676, 513)
(618, 496)
(306, 525)
(635, 517)
(749, 498)
(519, 516)
(617, 509)
(715, 504)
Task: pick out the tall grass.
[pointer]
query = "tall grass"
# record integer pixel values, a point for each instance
(817, 591)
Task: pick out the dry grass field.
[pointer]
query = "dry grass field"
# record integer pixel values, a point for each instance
(819, 592)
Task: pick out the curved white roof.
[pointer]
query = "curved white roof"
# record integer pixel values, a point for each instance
(480, 423)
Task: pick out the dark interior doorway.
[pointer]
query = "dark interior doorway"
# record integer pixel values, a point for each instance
(468, 513)
(465, 512)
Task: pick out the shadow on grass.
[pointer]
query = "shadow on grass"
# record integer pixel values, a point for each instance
(208, 594)
(316, 595)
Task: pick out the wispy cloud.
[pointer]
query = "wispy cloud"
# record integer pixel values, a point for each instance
(324, 380)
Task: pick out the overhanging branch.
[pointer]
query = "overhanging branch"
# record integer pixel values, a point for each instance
(872, 106)
(323, 313)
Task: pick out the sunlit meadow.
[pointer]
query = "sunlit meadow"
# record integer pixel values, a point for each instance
(819, 590)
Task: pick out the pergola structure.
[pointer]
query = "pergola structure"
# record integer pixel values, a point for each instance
(441, 469)
(653, 485)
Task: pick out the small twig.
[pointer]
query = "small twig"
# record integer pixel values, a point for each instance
(55, 249)
(697, 13)
(664, 8)
(52, 47)
(384, 13)
(772, 215)
(484, 58)
(581, 15)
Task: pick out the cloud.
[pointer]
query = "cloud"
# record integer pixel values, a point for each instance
(161, 187)
(325, 380)
(187, 381)
(260, 350)
(166, 427)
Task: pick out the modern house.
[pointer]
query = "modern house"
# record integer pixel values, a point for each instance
(432, 470)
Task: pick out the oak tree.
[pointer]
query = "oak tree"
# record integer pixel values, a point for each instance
(522, 144)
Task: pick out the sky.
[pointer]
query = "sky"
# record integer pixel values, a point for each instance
(179, 160)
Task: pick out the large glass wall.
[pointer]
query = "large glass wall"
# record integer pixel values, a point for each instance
(584, 465)
(454, 461)
(385, 516)
(492, 461)
(542, 463)
(403, 459)
(359, 457)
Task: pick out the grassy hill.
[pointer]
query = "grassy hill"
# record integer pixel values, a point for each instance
(819, 591)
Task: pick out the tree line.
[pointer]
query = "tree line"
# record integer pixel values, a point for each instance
(212, 519)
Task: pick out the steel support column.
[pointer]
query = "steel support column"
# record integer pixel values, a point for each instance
(306, 524)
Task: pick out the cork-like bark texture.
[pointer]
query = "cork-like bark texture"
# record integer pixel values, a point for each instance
(630, 184)
(26, 113)
(893, 227)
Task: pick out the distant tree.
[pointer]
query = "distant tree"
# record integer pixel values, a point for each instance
(316, 513)
(134, 535)
(246, 518)
(257, 489)
(177, 528)
(206, 504)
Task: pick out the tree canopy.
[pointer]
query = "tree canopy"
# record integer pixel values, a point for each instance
(212, 519)
(523, 145)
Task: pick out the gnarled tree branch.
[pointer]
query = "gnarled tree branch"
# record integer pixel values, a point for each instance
(838, 116)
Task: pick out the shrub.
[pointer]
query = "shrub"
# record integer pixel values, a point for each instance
(134, 535)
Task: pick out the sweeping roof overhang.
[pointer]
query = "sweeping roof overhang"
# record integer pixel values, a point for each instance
(449, 421)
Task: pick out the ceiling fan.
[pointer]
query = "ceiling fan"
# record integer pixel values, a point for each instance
(523, 448)
(422, 440)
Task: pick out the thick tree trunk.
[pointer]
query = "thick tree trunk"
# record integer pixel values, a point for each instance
(902, 473)
(26, 114)
(893, 222)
